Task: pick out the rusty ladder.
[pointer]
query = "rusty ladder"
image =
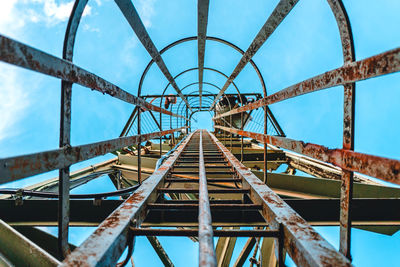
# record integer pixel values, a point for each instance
(203, 165)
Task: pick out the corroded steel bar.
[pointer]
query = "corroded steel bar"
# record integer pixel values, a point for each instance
(65, 129)
(206, 242)
(378, 65)
(195, 232)
(265, 145)
(383, 168)
(245, 252)
(280, 12)
(304, 245)
(202, 21)
(133, 18)
(107, 243)
(188, 206)
(15, 168)
(319, 168)
(162, 254)
(21, 251)
(139, 147)
(24, 56)
(346, 193)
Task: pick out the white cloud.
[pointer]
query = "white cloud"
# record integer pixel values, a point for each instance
(51, 12)
(88, 28)
(14, 16)
(9, 21)
(13, 101)
(146, 11)
(127, 55)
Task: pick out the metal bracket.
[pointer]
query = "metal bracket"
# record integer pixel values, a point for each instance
(19, 199)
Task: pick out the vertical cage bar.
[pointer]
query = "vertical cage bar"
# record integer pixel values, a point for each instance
(161, 136)
(202, 20)
(265, 145)
(241, 139)
(346, 189)
(139, 146)
(65, 129)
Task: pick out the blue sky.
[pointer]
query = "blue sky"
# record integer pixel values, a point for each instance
(306, 44)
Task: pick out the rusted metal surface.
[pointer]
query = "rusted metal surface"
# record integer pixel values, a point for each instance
(280, 12)
(195, 232)
(346, 37)
(206, 242)
(24, 56)
(381, 64)
(65, 129)
(20, 251)
(320, 169)
(128, 10)
(346, 202)
(204, 68)
(202, 21)
(304, 245)
(15, 168)
(187, 39)
(265, 145)
(383, 168)
(139, 147)
(109, 240)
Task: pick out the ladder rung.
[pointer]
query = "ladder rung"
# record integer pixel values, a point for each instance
(195, 232)
(212, 201)
(207, 167)
(197, 172)
(196, 206)
(192, 161)
(210, 180)
(210, 191)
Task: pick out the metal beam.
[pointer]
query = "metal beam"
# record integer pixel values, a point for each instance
(21, 251)
(133, 18)
(304, 245)
(194, 95)
(224, 248)
(383, 168)
(378, 65)
(15, 168)
(206, 243)
(319, 168)
(366, 211)
(280, 12)
(245, 252)
(109, 240)
(268, 258)
(155, 243)
(27, 57)
(43, 239)
(202, 21)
